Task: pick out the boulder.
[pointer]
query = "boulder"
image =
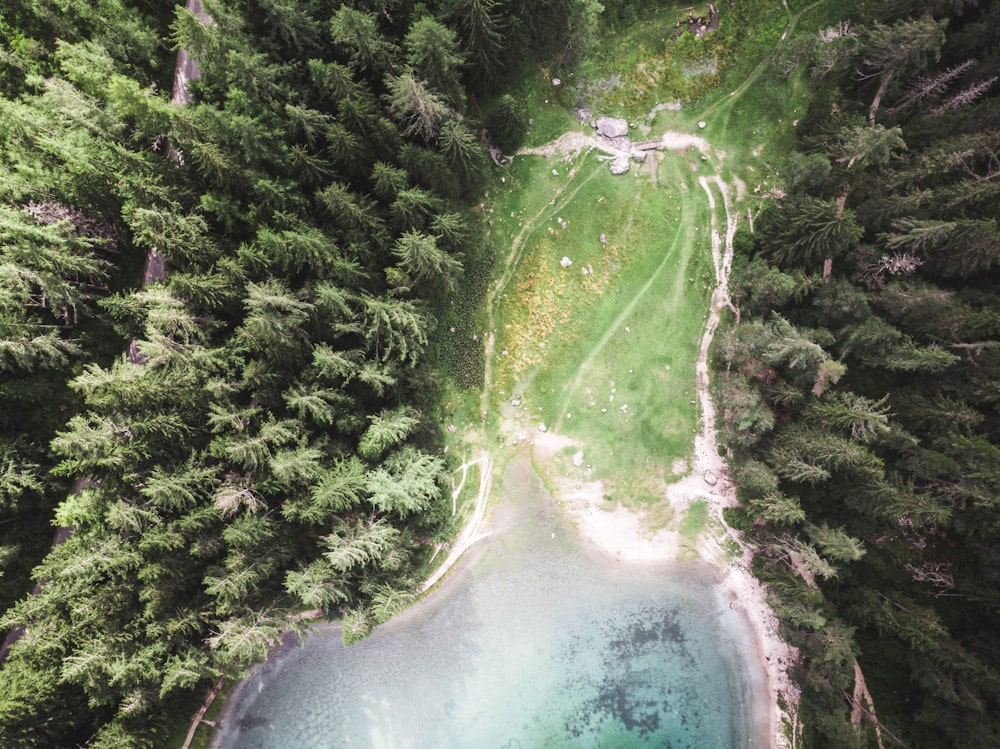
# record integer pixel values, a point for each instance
(612, 127)
(621, 165)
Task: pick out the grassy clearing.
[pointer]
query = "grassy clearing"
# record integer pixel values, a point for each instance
(652, 61)
(626, 316)
(551, 108)
(695, 522)
(607, 357)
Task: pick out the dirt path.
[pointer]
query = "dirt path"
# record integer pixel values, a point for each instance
(470, 533)
(774, 654)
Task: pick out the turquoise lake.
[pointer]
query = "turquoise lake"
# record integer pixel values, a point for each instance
(534, 640)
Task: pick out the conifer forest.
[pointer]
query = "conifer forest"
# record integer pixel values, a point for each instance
(858, 391)
(222, 297)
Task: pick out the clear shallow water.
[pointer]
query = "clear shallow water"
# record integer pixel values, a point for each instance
(534, 642)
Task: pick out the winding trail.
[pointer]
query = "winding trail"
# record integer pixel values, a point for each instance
(470, 533)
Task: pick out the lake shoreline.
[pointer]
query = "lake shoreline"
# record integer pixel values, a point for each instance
(616, 531)
(504, 530)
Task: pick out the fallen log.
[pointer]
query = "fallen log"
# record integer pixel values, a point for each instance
(201, 713)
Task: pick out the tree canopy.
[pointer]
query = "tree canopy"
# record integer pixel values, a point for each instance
(262, 446)
(858, 401)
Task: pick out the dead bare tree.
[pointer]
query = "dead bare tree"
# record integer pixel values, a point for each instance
(932, 85)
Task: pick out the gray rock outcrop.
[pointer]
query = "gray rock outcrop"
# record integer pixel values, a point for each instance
(612, 127)
(621, 165)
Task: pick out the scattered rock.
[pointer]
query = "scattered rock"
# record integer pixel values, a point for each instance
(603, 239)
(452, 429)
(702, 124)
(556, 82)
(565, 262)
(620, 165)
(639, 156)
(710, 478)
(612, 127)
(555, 172)
(542, 428)
(578, 458)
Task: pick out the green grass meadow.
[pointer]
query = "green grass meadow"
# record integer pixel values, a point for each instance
(603, 351)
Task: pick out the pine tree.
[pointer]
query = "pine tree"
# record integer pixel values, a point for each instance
(417, 109)
(802, 231)
(432, 52)
(481, 27)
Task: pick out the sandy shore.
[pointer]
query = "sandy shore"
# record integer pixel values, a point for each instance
(624, 534)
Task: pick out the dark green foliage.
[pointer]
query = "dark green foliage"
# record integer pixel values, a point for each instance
(802, 231)
(861, 422)
(261, 448)
(508, 125)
